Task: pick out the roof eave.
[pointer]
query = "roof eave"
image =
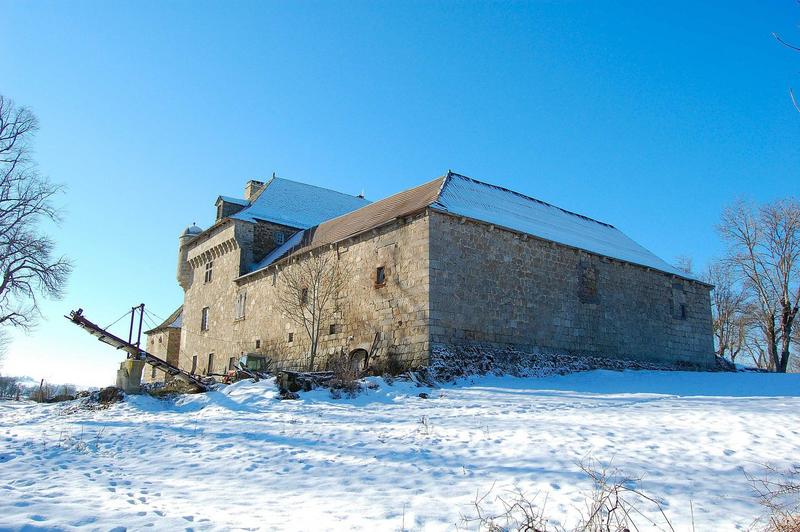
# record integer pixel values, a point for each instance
(440, 209)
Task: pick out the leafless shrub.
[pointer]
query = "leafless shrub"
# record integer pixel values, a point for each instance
(425, 426)
(345, 376)
(615, 504)
(518, 512)
(778, 493)
(42, 393)
(9, 388)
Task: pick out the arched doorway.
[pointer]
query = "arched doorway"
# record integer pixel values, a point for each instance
(358, 359)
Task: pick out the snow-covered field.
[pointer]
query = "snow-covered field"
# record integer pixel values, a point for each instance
(239, 459)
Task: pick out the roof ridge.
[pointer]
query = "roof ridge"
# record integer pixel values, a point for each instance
(530, 198)
(314, 186)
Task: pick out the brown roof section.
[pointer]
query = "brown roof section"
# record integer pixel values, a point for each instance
(371, 216)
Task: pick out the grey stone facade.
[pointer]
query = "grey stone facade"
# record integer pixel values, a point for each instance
(448, 280)
(397, 311)
(494, 286)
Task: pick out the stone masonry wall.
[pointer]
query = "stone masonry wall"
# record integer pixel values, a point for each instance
(264, 238)
(398, 310)
(498, 287)
(165, 344)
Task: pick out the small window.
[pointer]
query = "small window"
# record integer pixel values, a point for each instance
(291, 337)
(258, 344)
(209, 271)
(280, 237)
(210, 368)
(194, 364)
(241, 302)
(204, 319)
(304, 296)
(232, 363)
(153, 373)
(335, 328)
(160, 339)
(380, 276)
(683, 311)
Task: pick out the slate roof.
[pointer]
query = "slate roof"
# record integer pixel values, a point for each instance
(466, 197)
(174, 321)
(286, 202)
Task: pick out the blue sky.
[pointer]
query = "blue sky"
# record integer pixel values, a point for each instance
(651, 116)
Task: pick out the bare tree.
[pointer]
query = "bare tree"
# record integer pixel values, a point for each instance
(796, 49)
(684, 263)
(28, 269)
(729, 309)
(308, 294)
(764, 250)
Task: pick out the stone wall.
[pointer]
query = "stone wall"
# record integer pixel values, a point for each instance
(494, 286)
(265, 239)
(396, 311)
(165, 344)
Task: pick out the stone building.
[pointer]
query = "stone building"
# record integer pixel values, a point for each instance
(452, 261)
(164, 342)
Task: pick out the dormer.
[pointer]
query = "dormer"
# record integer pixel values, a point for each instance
(227, 206)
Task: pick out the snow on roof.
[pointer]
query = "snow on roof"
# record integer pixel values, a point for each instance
(279, 251)
(174, 321)
(464, 196)
(295, 204)
(192, 230)
(236, 201)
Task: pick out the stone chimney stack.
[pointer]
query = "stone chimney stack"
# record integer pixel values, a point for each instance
(252, 188)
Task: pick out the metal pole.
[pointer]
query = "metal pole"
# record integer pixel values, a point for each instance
(130, 332)
(141, 317)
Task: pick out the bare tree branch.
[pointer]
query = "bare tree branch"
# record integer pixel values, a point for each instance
(308, 294)
(764, 251)
(28, 268)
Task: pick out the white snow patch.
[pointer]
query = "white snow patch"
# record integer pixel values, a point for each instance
(238, 458)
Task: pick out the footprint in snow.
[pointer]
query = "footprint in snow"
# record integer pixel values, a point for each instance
(729, 452)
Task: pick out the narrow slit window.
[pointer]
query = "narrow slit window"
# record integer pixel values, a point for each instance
(258, 344)
(210, 368)
(304, 296)
(194, 364)
(209, 271)
(291, 337)
(241, 302)
(204, 319)
(232, 363)
(380, 276)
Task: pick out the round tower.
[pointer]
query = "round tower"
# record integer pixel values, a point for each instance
(184, 271)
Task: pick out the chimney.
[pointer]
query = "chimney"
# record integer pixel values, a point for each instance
(252, 188)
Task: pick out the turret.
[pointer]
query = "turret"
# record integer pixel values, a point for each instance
(184, 271)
